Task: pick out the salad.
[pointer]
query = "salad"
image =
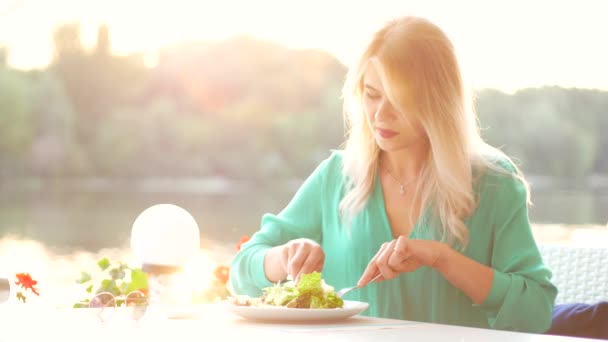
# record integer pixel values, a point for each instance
(311, 292)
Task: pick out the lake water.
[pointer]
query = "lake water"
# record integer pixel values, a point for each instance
(67, 220)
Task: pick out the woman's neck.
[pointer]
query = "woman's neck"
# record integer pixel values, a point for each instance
(405, 164)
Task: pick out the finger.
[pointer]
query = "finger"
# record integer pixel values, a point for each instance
(401, 245)
(314, 258)
(382, 262)
(291, 251)
(370, 272)
(372, 268)
(297, 260)
(320, 264)
(401, 253)
(318, 267)
(285, 259)
(378, 278)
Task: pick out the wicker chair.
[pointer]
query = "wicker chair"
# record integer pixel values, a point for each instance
(580, 273)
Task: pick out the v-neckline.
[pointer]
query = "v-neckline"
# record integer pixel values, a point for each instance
(387, 224)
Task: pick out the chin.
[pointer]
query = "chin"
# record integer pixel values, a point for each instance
(387, 147)
(390, 146)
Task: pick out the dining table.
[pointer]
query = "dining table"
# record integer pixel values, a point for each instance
(215, 322)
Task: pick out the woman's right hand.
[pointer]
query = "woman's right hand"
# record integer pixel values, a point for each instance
(301, 256)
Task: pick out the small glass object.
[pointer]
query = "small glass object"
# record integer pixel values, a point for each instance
(136, 304)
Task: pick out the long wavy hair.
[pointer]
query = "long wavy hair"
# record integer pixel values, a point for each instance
(420, 72)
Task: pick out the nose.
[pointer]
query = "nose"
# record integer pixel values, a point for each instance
(385, 111)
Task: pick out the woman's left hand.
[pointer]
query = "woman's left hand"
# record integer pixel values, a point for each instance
(402, 255)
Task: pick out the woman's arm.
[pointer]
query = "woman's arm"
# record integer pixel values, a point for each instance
(514, 289)
(261, 261)
(468, 275)
(407, 255)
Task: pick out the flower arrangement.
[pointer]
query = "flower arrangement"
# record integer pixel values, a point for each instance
(26, 285)
(120, 279)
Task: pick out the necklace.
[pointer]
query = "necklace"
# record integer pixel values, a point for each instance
(402, 186)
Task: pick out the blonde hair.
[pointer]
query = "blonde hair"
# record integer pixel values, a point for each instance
(420, 72)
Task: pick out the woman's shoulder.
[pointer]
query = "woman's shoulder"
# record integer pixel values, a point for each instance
(330, 167)
(334, 160)
(495, 163)
(328, 173)
(497, 175)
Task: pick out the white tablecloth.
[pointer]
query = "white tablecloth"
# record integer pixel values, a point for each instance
(214, 323)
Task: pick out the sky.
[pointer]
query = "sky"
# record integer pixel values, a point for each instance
(506, 45)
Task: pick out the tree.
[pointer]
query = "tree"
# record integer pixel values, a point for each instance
(16, 122)
(54, 148)
(3, 56)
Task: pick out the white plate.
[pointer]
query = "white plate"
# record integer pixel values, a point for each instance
(284, 314)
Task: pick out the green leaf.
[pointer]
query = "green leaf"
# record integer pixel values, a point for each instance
(311, 283)
(89, 288)
(333, 301)
(279, 294)
(139, 280)
(103, 264)
(106, 283)
(124, 287)
(316, 303)
(83, 304)
(109, 285)
(21, 297)
(117, 273)
(84, 277)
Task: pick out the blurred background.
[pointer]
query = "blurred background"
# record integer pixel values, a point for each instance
(224, 107)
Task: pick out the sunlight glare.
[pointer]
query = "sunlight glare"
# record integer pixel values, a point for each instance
(195, 278)
(23, 256)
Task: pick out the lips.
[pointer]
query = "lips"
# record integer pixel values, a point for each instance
(386, 133)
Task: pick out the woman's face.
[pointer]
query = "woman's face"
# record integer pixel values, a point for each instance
(392, 130)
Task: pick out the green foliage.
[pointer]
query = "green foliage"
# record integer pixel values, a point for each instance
(103, 264)
(84, 277)
(21, 297)
(16, 121)
(3, 56)
(117, 278)
(551, 131)
(242, 109)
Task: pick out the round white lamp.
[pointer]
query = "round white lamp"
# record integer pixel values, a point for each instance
(165, 236)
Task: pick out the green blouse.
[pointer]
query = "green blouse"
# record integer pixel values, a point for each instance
(521, 297)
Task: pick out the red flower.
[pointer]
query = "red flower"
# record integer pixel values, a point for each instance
(25, 281)
(222, 273)
(243, 240)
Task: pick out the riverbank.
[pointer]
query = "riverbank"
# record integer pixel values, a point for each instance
(220, 184)
(583, 235)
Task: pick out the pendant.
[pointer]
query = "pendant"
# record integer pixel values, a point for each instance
(402, 190)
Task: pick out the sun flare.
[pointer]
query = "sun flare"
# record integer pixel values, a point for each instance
(195, 279)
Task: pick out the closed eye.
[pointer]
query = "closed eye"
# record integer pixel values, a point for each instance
(371, 92)
(371, 96)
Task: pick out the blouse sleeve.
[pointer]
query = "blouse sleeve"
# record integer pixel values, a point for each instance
(522, 296)
(301, 218)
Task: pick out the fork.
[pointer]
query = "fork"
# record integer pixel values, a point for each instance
(346, 290)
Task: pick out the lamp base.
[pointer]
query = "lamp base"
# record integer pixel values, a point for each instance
(159, 269)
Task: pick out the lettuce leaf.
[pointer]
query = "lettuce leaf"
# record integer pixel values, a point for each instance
(279, 295)
(310, 292)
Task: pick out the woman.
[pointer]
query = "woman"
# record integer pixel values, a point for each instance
(416, 197)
